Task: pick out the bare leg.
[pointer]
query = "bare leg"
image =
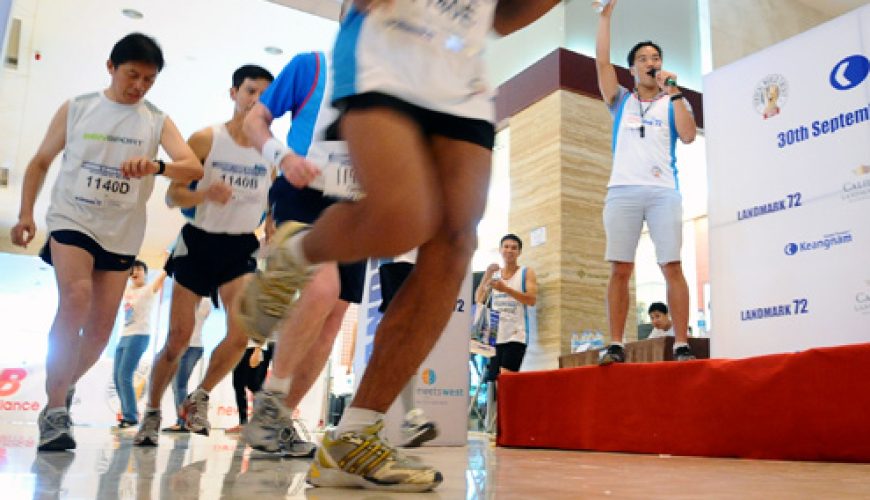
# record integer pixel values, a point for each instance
(309, 368)
(73, 269)
(403, 206)
(301, 331)
(231, 349)
(108, 288)
(463, 175)
(181, 319)
(617, 298)
(678, 299)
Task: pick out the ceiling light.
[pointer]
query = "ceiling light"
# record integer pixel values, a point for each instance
(132, 13)
(274, 51)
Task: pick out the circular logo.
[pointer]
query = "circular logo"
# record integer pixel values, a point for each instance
(791, 249)
(771, 94)
(850, 72)
(428, 376)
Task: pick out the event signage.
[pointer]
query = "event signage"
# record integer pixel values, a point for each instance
(789, 192)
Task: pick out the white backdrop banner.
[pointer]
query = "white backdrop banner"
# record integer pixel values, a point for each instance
(441, 384)
(788, 142)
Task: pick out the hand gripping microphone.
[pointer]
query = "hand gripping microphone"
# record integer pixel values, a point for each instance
(670, 82)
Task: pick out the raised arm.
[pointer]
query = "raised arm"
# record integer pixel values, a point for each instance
(607, 82)
(34, 176)
(256, 125)
(185, 167)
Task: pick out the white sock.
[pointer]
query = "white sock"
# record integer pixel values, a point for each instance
(677, 345)
(278, 384)
(356, 419)
(149, 409)
(294, 245)
(56, 409)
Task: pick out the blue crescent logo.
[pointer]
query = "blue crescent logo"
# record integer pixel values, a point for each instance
(791, 249)
(850, 72)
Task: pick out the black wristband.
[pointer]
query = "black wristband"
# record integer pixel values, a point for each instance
(161, 166)
(676, 96)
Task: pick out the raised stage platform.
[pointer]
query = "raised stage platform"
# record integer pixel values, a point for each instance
(811, 405)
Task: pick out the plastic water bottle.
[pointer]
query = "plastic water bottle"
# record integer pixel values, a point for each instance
(599, 5)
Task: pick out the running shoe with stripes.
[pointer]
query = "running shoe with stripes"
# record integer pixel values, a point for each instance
(365, 460)
(268, 295)
(194, 412)
(55, 430)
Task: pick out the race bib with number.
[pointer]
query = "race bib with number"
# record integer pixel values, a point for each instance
(244, 180)
(105, 187)
(338, 175)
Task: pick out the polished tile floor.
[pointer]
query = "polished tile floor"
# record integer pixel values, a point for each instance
(107, 466)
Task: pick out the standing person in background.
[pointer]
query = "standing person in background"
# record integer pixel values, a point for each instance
(643, 186)
(139, 300)
(249, 375)
(96, 218)
(514, 295)
(188, 361)
(661, 321)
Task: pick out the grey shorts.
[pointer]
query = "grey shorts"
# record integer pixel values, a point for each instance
(625, 210)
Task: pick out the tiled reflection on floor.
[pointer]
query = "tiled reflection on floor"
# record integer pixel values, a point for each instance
(107, 466)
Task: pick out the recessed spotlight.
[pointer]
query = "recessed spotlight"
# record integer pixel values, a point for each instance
(132, 13)
(274, 51)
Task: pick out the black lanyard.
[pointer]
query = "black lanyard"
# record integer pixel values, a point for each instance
(643, 112)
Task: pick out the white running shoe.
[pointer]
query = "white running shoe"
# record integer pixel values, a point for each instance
(417, 429)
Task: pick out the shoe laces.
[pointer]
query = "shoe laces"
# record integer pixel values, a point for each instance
(59, 420)
(276, 292)
(200, 403)
(151, 422)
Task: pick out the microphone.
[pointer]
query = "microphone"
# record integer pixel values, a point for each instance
(670, 82)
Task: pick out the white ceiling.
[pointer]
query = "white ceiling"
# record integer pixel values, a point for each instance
(324, 8)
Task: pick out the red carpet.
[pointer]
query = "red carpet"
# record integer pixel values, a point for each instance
(812, 405)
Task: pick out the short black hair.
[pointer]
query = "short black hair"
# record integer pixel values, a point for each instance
(139, 48)
(251, 71)
(640, 45)
(658, 306)
(139, 263)
(511, 236)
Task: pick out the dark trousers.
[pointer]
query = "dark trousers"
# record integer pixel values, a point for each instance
(245, 377)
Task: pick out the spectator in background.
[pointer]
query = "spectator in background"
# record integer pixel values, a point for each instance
(661, 321)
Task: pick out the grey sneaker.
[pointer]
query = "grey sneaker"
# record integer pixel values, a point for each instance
(149, 429)
(268, 295)
(417, 429)
(55, 430)
(684, 353)
(365, 460)
(272, 430)
(194, 411)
